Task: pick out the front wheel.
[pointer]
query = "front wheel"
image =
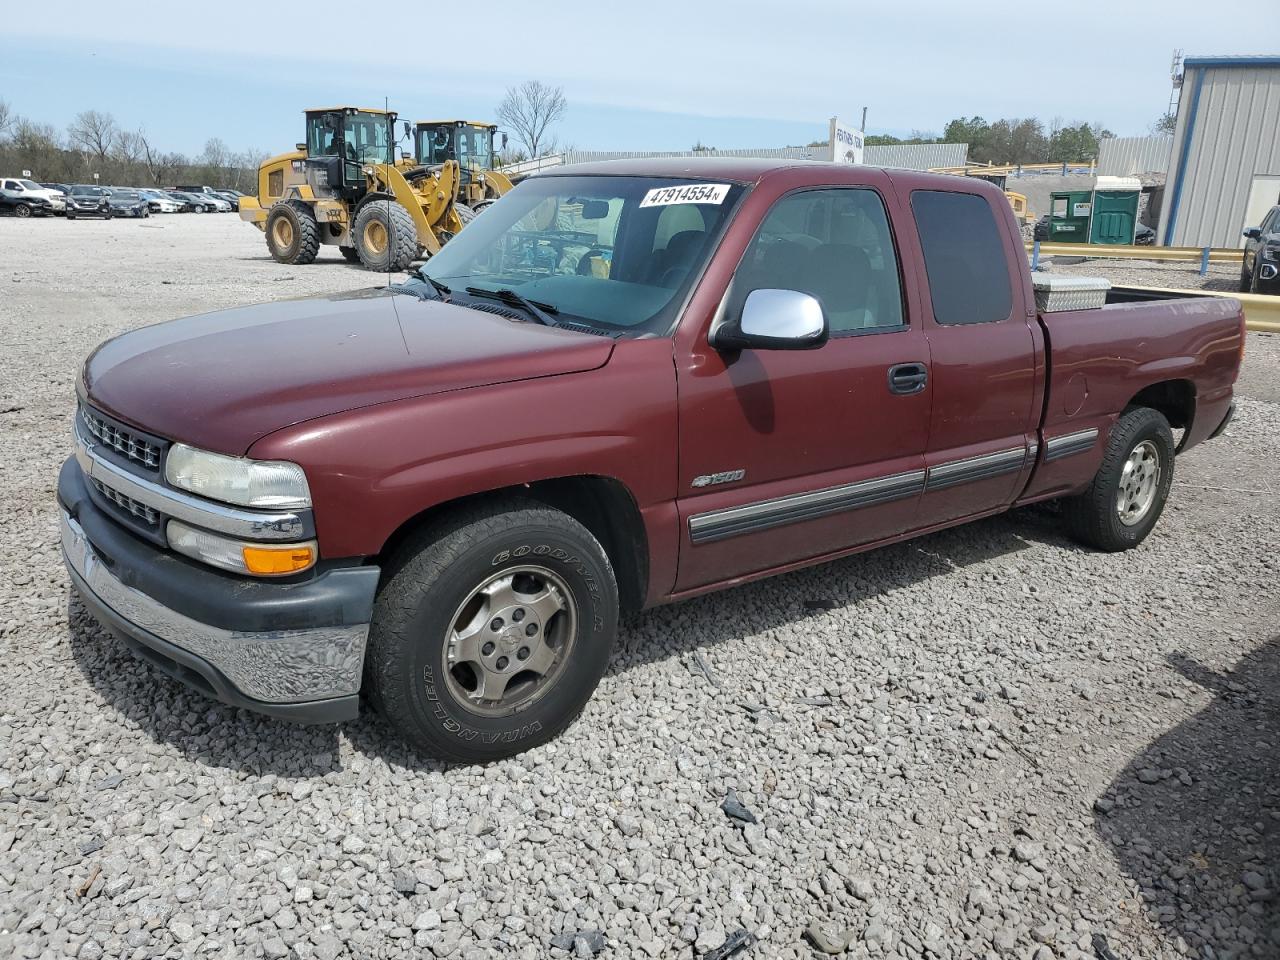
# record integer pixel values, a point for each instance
(1246, 280)
(385, 236)
(22, 210)
(1128, 493)
(492, 631)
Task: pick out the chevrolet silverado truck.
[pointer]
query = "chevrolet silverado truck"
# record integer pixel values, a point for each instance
(626, 384)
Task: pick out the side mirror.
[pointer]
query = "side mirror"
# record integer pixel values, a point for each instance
(1253, 233)
(774, 320)
(504, 141)
(408, 130)
(300, 146)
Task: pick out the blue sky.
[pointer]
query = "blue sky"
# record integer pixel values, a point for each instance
(656, 76)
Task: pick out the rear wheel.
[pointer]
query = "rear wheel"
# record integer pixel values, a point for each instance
(350, 254)
(492, 631)
(293, 236)
(385, 237)
(1128, 493)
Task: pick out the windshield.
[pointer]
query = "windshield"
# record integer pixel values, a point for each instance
(30, 185)
(366, 136)
(88, 191)
(614, 253)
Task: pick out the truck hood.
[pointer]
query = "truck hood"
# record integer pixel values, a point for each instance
(223, 380)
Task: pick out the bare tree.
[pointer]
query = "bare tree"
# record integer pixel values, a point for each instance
(95, 133)
(128, 148)
(7, 119)
(530, 110)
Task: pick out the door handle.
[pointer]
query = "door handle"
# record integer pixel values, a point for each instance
(907, 378)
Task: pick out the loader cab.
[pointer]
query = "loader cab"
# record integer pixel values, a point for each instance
(342, 141)
(470, 143)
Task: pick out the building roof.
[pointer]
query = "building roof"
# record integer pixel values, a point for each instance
(1233, 61)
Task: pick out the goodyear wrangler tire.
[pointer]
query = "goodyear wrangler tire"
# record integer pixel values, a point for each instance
(1128, 493)
(385, 236)
(293, 236)
(491, 631)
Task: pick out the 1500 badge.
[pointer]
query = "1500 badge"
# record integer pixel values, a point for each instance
(726, 476)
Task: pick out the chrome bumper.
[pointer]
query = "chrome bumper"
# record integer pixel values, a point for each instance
(264, 670)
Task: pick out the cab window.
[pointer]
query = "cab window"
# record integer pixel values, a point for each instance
(964, 259)
(834, 244)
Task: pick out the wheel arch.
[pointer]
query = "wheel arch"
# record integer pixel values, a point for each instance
(604, 505)
(1175, 398)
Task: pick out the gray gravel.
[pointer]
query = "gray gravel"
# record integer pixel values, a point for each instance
(984, 743)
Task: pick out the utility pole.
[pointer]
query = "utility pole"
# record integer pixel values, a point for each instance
(863, 128)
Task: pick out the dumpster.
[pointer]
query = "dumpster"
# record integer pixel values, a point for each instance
(1069, 216)
(1115, 210)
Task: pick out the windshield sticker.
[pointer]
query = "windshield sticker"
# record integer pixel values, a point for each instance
(689, 193)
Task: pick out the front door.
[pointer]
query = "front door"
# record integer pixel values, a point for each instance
(791, 455)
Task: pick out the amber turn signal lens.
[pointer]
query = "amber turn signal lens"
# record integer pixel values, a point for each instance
(274, 561)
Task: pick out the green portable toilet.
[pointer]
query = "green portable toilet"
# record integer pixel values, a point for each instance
(1115, 210)
(1069, 216)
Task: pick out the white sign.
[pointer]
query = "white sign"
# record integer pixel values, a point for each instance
(26, 173)
(688, 193)
(846, 143)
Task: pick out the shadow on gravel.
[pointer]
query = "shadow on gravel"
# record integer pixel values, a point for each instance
(835, 585)
(1195, 818)
(205, 730)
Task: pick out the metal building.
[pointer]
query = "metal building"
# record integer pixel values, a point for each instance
(1224, 172)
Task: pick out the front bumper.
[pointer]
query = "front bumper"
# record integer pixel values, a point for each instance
(289, 649)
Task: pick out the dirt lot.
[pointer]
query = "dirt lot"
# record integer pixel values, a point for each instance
(987, 742)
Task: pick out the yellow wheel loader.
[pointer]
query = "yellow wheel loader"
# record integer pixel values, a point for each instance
(471, 144)
(343, 187)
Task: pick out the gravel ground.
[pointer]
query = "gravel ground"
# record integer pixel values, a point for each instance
(984, 743)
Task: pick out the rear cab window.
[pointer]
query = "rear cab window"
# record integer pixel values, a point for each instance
(964, 257)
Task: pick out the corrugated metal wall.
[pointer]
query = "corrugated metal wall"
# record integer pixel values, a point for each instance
(1132, 156)
(917, 156)
(1228, 131)
(909, 156)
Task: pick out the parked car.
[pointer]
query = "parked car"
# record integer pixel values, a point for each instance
(1261, 271)
(160, 202)
(128, 203)
(232, 199)
(195, 203)
(23, 204)
(89, 201)
(726, 369)
(1041, 230)
(22, 187)
(1144, 236)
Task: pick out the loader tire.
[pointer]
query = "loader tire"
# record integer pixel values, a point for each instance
(293, 236)
(350, 254)
(465, 214)
(385, 236)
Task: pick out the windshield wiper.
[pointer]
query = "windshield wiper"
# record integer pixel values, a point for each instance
(442, 291)
(540, 312)
(440, 288)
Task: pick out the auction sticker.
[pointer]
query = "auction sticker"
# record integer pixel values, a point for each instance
(686, 193)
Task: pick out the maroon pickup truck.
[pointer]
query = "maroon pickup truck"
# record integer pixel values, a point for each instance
(622, 385)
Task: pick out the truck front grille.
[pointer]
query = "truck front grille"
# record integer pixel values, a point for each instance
(137, 510)
(129, 444)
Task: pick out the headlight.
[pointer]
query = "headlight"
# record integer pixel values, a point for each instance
(1271, 252)
(258, 559)
(247, 483)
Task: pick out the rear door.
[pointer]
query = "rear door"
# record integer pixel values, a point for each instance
(791, 455)
(982, 349)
